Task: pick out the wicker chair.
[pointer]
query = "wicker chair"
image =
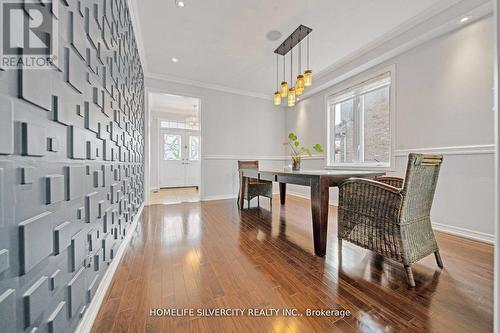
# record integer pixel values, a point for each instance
(254, 187)
(391, 215)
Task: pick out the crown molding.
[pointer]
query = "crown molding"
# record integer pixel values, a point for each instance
(433, 22)
(382, 40)
(438, 20)
(205, 85)
(134, 17)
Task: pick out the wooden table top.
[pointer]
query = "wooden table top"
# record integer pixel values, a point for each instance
(324, 172)
(305, 177)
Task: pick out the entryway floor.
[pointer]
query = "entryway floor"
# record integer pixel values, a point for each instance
(169, 196)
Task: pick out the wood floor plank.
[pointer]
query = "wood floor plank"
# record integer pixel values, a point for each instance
(211, 255)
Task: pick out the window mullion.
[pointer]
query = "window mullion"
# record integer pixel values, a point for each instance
(361, 129)
(356, 129)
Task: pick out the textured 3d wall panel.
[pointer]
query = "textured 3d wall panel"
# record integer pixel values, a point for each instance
(71, 167)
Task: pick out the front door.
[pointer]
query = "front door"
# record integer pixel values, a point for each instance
(179, 164)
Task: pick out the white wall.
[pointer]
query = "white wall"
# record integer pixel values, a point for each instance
(233, 127)
(443, 104)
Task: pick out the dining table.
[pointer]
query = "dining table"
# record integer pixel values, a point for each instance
(319, 181)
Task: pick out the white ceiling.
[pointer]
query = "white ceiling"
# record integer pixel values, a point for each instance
(223, 42)
(173, 103)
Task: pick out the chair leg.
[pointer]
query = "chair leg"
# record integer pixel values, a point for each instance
(409, 276)
(258, 201)
(248, 203)
(271, 203)
(439, 261)
(339, 244)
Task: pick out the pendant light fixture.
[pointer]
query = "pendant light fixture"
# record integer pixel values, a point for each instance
(302, 80)
(308, 74)
(277, 94)
(291, 91)
(284, 85)
(299, 83)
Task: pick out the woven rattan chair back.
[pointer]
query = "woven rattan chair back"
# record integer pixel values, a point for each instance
(248, 165)
(420, 185)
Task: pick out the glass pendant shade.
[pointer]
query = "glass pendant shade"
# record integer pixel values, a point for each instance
(291, 96)
(299, 84)
(284, 89)
(277, 98)
(298, 91)
(308, 78)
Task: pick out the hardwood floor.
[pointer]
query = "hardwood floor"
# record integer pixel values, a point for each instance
(211, 255)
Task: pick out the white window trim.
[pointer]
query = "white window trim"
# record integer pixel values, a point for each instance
(349, 84)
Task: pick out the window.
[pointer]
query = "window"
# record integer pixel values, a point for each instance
(194, 148)
(172, 147)
(359, 125)
(173, 124)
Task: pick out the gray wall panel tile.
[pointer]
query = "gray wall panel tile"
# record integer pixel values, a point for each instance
(57, 321)
(75, 181)
(8, 310)
(4, 260)
(35, 299)
(27, 175)
(55, 280)
(35, 88)
(91, 207)
(62, 237)
(35, 240)
(76, 292)
(46, 136)
(34, 140)
(78, 250)
(6, 126)
(92, 288)
(74, 70)
(78, 143)
(2, 200)
(54, 188)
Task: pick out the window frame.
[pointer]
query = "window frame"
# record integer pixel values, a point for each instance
(344, 87)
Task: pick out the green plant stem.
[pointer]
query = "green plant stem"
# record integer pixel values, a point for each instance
(293, 149)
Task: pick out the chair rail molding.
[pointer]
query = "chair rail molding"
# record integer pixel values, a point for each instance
(450, 150)
(482, 149)
(258, 157)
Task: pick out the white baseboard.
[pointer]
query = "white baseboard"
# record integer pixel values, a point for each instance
(219, 197)
(88, 319)
(466, 233)
(463, 232)
(457, 231)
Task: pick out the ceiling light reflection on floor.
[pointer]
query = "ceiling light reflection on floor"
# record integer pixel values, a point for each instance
(193, 258)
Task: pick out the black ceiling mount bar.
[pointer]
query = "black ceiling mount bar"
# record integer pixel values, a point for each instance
(299, 34)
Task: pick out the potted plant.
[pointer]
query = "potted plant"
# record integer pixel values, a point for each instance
(298, 150)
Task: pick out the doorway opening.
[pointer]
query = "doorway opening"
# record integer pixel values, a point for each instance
(175, 148)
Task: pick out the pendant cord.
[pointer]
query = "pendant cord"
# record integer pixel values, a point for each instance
(308, 67)
(277, 71)
(300, 58)
(284, 68)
